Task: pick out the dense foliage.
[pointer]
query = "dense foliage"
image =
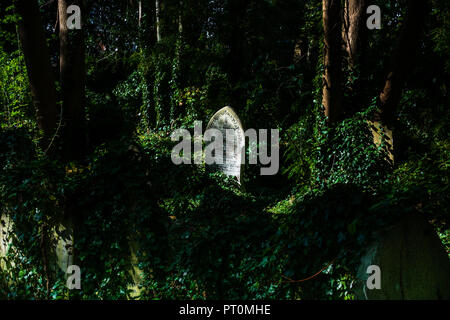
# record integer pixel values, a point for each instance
(199, 235)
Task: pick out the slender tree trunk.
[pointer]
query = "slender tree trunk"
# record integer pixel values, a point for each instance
(140, 12)
(157, 17)
(332, 91)
(180, 20)
(72, 76)
(37, 59)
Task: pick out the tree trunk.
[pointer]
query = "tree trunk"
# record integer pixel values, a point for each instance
(157, 17)
(402, 61)
(332, 91)
(72, 77)
(37, 59)
(355, 30)
(354, 35)
(180, 19)
(140, 12)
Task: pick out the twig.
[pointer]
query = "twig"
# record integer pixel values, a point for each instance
(309, 278)
(56, 132)
(106, 57)
(44, 258)
(57, 20)
(46, 4)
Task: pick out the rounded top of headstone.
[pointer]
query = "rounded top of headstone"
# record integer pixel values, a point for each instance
(225, 110)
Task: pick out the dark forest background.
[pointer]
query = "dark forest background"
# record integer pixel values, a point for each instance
(85, 123)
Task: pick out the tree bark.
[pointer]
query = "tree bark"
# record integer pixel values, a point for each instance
(354, 35)
(332, 91)
(37, 59)
(140, 12)
(157, 17)
(402, 60)
(355, 30)
(180, 20)
(72, 77)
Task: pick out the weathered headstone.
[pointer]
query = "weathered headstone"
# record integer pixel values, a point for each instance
(412, 262)
(60, 254)
(137, 274)
(5, 230)
(230, 160)
(63, 244)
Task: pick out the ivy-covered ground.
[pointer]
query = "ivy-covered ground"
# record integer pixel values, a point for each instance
(198, 235)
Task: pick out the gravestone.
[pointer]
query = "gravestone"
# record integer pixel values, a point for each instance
(5, 241)
(63, 243)
(413, 263)
(230, 162)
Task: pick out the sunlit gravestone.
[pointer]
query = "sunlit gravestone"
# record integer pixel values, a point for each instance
(225, 142)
